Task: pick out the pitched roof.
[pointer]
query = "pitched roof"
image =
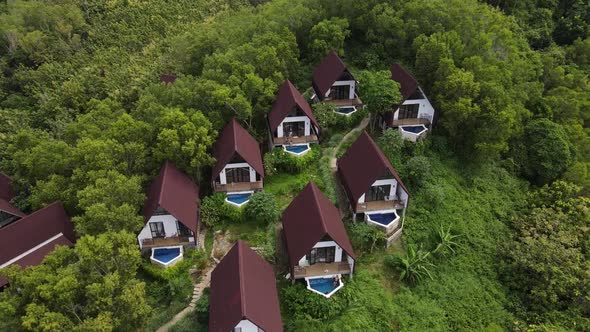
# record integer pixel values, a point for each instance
(361, 165)
(28, 240)
(235, 139)
(287, 98)
(407, 82)
(7, 207)
(309, 218)
(243, 286)
(176, 193)
(327, 72)
(167, 78)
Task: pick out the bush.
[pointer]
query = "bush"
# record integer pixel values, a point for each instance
(418, 171)
(300, 302)
(262, 206)
(413, 267)
(278, 160)
(364, 237)
(202, 307)
(214, 210)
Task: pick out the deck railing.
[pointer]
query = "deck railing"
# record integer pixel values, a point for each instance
(321, 269)
(295, 140)
(165, 241)
(379, 205)
(238, 186)
(410, 122)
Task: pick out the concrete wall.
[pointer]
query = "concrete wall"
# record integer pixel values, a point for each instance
(170, 228)
(351, 84)
(392, 188)
(337, 256)
(247, 326)
(222, 178)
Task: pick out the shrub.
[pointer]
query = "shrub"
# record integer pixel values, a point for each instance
(324, 113)
(202, 307)
(262, 206)
(214, 210)
(365, 237)
(418, 171)
(413, 267)
(278, 160)
(300, 302)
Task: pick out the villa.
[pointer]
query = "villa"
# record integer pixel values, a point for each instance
(171, 214)
(317, 243)
(414, 116)
(373, 187)
(8, 213)
(333, 83)
(238, 170)
(243, 294)
(291, 121)
(28, 240)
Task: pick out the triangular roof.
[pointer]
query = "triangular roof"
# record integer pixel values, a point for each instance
(287, 98)
(28, 240)
(175, 192)
(243, 286)
(235, 139)
(308, 219)
(407, 82)
(326, 73)
(361, 165)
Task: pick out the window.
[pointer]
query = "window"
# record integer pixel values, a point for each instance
(237, 329)
(409, 111)
(183, 230)
(321, 255)
(294, 129)
(377, 193)
(238, 174)
(157, 229)
(340, 92)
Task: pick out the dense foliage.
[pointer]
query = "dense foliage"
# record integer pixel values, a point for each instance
(85, 121)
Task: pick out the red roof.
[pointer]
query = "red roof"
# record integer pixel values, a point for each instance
(167, 78)
(407, 82)
(287, 98)
(243, 286)
(31, 231)
(5, 187)
(361, 165)
(235, 139)
(176, 193)
(7, 207)
(308, 219)
(326, 73)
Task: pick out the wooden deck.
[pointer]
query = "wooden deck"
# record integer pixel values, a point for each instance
(238, 186)
(345, 102)
(295, 140)
(379, 205)
(165, 241)
(322, 269)
(409, 122)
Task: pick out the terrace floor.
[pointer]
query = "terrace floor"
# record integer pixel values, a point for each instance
(379, 206)
(322, 269)
(238, 186)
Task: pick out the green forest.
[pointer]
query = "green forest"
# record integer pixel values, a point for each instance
(497, 234)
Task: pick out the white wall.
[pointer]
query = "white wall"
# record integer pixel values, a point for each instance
(425, 111)
(169, 227)
(352, 85)
(295, 119)
(351, 263)
(403, 196)
(337, 256)
(247, 326)
(222, 178)
(392, 188)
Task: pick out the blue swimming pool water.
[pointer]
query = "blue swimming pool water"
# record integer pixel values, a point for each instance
(383, 218)
(296, 148)
(239, 198)
(323, 285)
(345, 110)
(414, 129)
(165, 255)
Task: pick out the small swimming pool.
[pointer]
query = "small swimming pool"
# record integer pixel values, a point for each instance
(238, 199)
(348, 110)
(166, 256)
(384, 219)
(325, 286)
(414, 129)
(297, 150)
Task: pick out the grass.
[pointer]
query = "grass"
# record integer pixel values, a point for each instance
(189, 323)
(163, 314)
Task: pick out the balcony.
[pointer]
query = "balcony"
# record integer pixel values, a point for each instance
(238, 186)
(295, 140)
(393, 204)
(165, 241)
(345, 102)
(409, 122)
(322, 269)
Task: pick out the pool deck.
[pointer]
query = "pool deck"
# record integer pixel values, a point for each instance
(379, 206)
(322, 269)
(165, 241)
(238, 186)
(295, 140)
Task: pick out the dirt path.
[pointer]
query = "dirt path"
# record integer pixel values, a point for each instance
(342, 200)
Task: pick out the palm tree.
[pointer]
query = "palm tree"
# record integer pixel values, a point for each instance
(413, 267)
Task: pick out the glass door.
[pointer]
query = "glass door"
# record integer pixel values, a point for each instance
(235, 175)
(377, 193)
(157, 229)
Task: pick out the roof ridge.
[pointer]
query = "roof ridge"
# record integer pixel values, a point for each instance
(161, 191)
(234, 129)
(241, 278)
(314, 189)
